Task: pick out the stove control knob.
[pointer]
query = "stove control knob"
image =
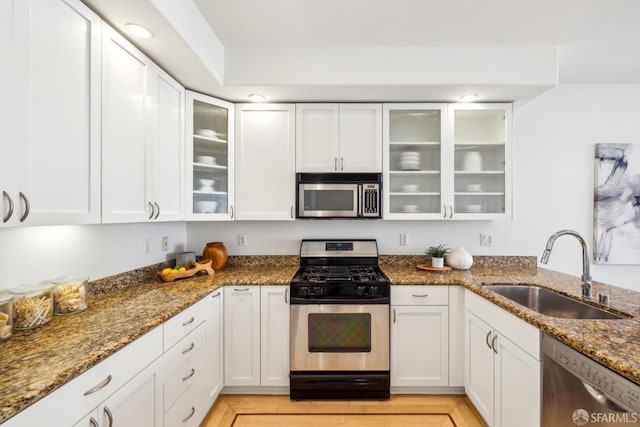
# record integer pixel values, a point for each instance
(359, 291)
(317, 291)
(373, 290)
(303, 291)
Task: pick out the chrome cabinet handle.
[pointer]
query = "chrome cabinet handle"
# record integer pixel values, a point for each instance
(93, 422)
(98, 386)
(341, 164)
(10, 200)
(450, 211)
(394, 315)
(158, 208)
(286, 294)
(231, 207)
(493, 343)
(109, 415)
(217, 294)
(420, 296)
(241, 289)
(27, 207)
(335, 164)
(193, 411)
(187, 350)
(153, 210)
(487, 339)
(291, 211)
(192, 373)
(445, 210)
(188, 322)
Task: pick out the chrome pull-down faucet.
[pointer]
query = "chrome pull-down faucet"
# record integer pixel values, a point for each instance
(586, 269)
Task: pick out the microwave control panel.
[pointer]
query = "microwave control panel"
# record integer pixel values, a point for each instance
(371, 200)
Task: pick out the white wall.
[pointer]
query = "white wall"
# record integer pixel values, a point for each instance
(33, 254)
(553, 171)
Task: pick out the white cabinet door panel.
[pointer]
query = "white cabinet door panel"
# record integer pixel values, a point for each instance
(265, 155)
(479, 374)
(274, 313)
(360, 138)
(242, 335)
(317, 128)
(124, 139)
(215, 343)
(56, 74)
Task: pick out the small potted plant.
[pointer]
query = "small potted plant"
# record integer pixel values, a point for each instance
(437, 255)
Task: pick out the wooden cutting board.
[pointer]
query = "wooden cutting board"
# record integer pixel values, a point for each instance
(427, 267)
(195, 267)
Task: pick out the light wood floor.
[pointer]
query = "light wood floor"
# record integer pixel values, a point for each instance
(400, 410)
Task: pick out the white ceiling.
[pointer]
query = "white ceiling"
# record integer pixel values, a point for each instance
(597, 41)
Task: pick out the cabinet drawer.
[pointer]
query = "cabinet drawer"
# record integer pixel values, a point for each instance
(189, 356)
(183, 323)
(419, 295)
(191, 408)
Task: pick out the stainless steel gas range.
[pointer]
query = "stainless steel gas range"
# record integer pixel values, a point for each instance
(339, 322)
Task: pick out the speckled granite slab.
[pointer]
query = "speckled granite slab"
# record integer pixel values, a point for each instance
(124, 307)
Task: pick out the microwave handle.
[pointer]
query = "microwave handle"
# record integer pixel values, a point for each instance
(360, 200)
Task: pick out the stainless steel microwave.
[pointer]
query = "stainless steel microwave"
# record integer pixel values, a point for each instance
(339, 195)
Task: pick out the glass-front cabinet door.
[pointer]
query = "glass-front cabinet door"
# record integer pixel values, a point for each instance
(210, 158)
(481, 136)
(414, 153)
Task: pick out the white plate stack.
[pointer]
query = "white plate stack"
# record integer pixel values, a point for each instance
(410, 161)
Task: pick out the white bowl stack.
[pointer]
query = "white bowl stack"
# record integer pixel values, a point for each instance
(410, 161)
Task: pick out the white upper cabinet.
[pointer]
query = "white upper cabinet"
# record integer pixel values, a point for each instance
(415, 151)
(481, 135)
(51, 155)
(447, 161)
(142, 137)
(265, 159)
(210, 158)
(338, 137)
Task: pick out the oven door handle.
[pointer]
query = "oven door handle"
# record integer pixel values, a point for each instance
(346, 301)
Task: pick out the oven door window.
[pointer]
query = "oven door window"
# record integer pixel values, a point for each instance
(339, 332)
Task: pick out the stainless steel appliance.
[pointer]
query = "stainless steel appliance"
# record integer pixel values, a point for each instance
(578, 391)
(339, 195)
(339, 322)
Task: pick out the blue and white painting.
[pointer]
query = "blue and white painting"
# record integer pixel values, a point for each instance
(616, 218)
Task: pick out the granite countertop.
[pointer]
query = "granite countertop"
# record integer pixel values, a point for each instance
(124, 307)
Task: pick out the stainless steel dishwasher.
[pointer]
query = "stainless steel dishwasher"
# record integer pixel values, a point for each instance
(578, 391)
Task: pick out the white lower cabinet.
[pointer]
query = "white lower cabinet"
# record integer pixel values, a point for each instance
(256, 336)
(419, 336)
(135, 404)
(215, 342)
(502, 365)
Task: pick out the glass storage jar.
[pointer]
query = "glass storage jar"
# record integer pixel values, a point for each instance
(32, 305)
(69, 294)
(6, 315)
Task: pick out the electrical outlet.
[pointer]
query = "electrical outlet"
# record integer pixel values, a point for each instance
(404, 239)
(165, 243)
(146, 246)
(486, 239)
(242, 239)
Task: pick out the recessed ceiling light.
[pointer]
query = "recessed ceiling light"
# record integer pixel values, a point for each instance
(469, 97)
(139, 31)
(256, 97)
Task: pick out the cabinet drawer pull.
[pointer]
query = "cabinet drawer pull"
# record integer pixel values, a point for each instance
(493, 344)
(420, 296)
(286, 294)
(193, 411)
(187, 350)
(190, 321)
(10, 200)
(153, 210)
(487, 339)
(241, 289)
(93, 422)
(109, 415)
(394, 315)
(217, 294)
(27, 206)
(192, 373)
(158, 210)
(99, 386)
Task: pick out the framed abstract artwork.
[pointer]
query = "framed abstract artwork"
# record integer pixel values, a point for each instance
(616, 215)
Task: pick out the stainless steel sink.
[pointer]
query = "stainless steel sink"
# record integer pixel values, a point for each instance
(551, 303)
